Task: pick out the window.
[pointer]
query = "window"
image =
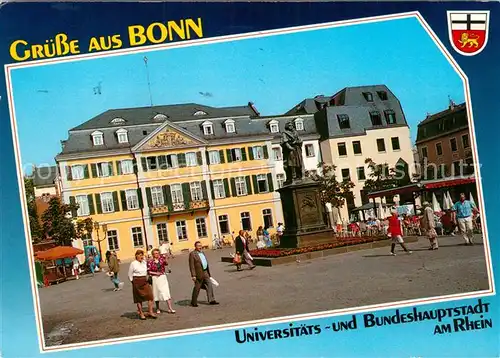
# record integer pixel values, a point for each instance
(196, 192)
(219, 191)
(277, 153)
(457, 168)
(87, 240)
(160, 117)
(132, 199)
(117, 121)
(381, 145)
(127, 166)
(274, 126)
(267, 216)
(181, 229)
(103, 170)
(356, 147)
(113, 244)
(224, 224)
(246, 223)
(208, 128)
(241, 186)
(309, 150)
(107, 203)
(465, 141)
(162, 231)
(236, 155)
(342, 149)
(280, 178)
(97, 138)
(214, 157)
(395, 143)
(262, 183)
(343, 121)
(191, 160)
(453, 144)
(172, 161)
(390, 116)
(157, 196)
(176, 191)
(299, 124)
(152, 163)
(346, 175)
(368, 96)
(382, 95)
(361, 173)
(77, 172)
(122, 135)
(137, 236)
(375, 118)
(200, 113)
(83, 205)
(424, 152)
(201, 227)
(439, 149)
(258, 152)
(230, 128)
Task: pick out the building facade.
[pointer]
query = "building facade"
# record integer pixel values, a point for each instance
(46, 185)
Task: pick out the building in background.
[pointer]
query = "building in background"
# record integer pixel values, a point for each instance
(45, 183)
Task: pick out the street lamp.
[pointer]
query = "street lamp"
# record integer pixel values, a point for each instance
(104, 229)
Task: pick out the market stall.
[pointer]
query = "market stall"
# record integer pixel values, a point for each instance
(56, 263)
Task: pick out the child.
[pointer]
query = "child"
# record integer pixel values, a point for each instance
(395, 231)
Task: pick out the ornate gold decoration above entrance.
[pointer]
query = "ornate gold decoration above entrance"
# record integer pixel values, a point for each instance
(168, 139)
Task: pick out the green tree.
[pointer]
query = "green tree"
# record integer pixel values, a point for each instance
(58, 224)
(35, 226)
(383, 177)
(84, 228)
(332, 190)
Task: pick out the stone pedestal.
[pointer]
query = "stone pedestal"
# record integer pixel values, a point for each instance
(304, 217)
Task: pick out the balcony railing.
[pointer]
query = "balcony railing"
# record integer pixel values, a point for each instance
(179, 207)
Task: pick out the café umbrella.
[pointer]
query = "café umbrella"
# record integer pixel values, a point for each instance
(472, 200)
(58, 252)
(435, 205)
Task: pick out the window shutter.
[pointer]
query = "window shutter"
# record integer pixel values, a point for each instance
(110, 165)
(72, 201)
(181, 158)
(208, 157)
(68, 173)
(199, 158)
(186, 195)
(270, 182)
(255, 184)
(229, 156)
(243, 154)
(221, 155)
(124, 200)
(140, 198)
(98, 203)
(86, 171)
(250, 153)
(134, 164)
(116, 204)
(249, 185)
(162, 162)
(212, 189)
(118, 168)
(144, 163)
(226, 188)
(167, 195)
(90, 200)
(233, 187)
(93, 168)
(204, 190)
(266, 153)
(148, 197)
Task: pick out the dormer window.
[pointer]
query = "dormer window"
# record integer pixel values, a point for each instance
(274, 126)
(376, 119)
(299, 124)
(343, 121)
(200, 113)
(230, 127)
(382, 95)
(390, 116)
(118, 121)
(160, 117)
(97, 138)
(368, 96)
(122, 135)
(208, 128)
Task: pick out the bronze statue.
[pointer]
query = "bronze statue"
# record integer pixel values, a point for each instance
(292, 154)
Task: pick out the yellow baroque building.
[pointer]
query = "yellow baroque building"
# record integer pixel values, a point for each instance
(180, 173)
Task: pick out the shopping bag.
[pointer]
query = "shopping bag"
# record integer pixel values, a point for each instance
(237, 259)
(214, 282)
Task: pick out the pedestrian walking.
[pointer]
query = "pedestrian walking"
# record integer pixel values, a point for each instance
(200, 274)
(429, 225)
(76, 267)
(165, 249)
(241, 245)
(157, 269)
(114, 269)
(462, 215)
(91, 263)
(280, 230)
(141, 289)
(395, 231)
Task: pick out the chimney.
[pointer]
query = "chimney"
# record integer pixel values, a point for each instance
(451, 103)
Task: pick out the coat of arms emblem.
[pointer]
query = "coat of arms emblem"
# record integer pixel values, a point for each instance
(468, 31)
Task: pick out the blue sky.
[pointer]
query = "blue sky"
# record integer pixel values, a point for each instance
(274, 72)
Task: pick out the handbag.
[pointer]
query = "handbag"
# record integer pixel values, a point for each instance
(237, 259)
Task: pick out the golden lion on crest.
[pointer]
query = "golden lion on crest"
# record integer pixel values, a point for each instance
(466, 40)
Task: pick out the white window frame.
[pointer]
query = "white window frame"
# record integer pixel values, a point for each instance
(219, 188)
(274, 126)
(230, 126)
(260, 178)
(280, 179)
(272, 216)
(200, 113)
(228, 224)
(204, 223)
(100, 172)
(214, 157)
(258, 152)
(80, 169)
(241, 186)
(97, 138)
(158, 232)
(277, 150)
(132, 199)
(176, 194)
(122, 135)
(84, 208)
(125, 168)
(132, 233)
(112, 206)
(237, 155)
(196, 191)
(117, 248)
(174, 161)
(191, 159)
(299, 124)
(436, 147)
(117, 120)
(312, 152)
(249, 218)
(157, 198)
(208, 128)
(186, 238)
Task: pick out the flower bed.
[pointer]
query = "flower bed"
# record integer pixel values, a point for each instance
(342, 241)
